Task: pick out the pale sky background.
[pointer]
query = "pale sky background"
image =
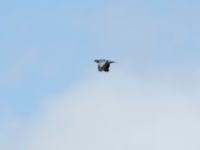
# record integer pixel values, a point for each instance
(53, 98)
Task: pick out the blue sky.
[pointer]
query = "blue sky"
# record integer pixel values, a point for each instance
(48, 47)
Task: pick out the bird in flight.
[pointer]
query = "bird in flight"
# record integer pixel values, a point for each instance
(103, 64)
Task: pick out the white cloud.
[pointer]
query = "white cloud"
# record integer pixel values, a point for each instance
(114, 111)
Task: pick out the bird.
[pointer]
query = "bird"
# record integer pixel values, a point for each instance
(103, 64)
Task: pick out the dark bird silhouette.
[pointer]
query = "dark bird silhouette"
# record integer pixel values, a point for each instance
(103, 64)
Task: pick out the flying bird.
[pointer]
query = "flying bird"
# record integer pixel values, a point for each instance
(103, 64)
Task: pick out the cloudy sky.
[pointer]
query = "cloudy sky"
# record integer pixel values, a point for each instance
(53, 98)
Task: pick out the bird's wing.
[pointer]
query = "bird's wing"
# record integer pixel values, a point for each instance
(102, 64)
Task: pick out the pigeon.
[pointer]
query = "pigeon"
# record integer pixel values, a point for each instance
(103, 64)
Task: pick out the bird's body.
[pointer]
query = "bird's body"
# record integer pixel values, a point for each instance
(103, 64)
